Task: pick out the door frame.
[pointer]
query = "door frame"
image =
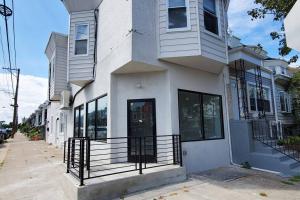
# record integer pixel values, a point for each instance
(153, 101)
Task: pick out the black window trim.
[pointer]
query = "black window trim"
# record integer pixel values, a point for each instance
(74, 124)
(202, 116)
(96, 110)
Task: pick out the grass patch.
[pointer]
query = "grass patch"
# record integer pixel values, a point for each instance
(295, 179)
(287, 182)
(263, 194)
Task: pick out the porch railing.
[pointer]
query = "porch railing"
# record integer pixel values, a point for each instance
(87, 158)
(278, 140)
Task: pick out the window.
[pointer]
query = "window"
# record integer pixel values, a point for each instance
(210, 16)
(285, 103)
(97, 118)
(81, 39)
(200, 116)
(78, 121)
(257, 104)
(282, 70)
(177, 14)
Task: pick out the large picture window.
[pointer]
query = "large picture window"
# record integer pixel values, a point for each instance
(81, 39)
(96, 122)
(256, 103)
(78, 121)
(210, 16)
(200, 116)
(177, 14)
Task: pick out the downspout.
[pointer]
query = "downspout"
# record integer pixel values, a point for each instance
(227, 117)
(275, 104)
(96, 11)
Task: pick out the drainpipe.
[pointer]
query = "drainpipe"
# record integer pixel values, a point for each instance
(275, 104)
(227, 114)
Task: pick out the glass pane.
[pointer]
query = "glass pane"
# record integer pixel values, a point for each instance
(210, 5)
(282, 102)
(90, 122)
(176, 3)
(177, 18)
(81, 115)
(212, 113)
(211, 23)
(81, 32)
(81, 47)
(252, 96)
(101, 130)
(190, 116)
(76, 124)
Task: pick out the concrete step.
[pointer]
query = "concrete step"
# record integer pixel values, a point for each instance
(116, 186)
(291, 163)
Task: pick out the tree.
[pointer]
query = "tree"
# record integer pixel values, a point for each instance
(294, 89)
(278, 9)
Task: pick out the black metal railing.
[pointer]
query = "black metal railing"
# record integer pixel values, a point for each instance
(87, 158)
(275, 138)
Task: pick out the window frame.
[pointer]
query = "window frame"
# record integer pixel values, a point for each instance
(256, 105)
(188, 18)
(287, 102)
(202, 116)
(96, 110)
(74, 118)
(88, 39)
(217, 3)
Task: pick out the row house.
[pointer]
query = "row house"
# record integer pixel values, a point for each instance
(142, 84)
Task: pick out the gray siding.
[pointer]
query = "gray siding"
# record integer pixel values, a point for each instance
(250, 78)
(81, 66)
(281, 116)
(57, 53)
(178, 43)
(213, 47)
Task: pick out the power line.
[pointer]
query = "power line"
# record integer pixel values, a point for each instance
(14, 32)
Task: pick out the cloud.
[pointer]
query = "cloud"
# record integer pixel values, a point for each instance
(32, 93)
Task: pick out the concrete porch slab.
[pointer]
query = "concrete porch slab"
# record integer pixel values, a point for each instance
(116, 186)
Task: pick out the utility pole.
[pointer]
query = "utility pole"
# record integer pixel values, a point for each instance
(15, 105)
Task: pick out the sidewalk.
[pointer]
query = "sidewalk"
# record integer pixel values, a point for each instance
(31, 171)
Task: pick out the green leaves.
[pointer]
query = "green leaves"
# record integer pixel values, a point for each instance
(278, 9)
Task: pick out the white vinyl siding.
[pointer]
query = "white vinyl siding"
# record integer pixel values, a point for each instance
(214, 46)
(185, 42)
(81, 67)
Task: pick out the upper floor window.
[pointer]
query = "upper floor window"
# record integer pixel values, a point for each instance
(210, 16)
(258, 103)
(81, 39)
(285, 105)
(177, 13)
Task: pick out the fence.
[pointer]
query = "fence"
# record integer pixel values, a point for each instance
(87, 159)
(271, 136)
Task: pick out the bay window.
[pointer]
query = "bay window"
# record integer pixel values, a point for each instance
(257, 103)
(96, 122)
(81, 39)
(200, 116)
(210, 16)
(177, 14)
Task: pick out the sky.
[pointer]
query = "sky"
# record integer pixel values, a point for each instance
(36, 19)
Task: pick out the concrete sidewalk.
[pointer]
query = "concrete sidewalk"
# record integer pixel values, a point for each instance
(31, 171)
(230, 183)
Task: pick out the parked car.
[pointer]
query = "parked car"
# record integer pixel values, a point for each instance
(8, 133)
(2, 135)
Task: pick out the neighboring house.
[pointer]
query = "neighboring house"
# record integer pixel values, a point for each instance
(292, 27)
(283, 98)
(260, 109)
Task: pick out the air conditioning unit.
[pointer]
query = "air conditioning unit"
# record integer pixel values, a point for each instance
(65, 100)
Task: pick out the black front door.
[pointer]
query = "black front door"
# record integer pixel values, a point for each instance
(141, 130)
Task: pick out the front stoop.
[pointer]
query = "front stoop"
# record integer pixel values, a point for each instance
(117, 186)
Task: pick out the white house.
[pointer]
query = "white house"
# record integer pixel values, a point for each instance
(161, 63)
